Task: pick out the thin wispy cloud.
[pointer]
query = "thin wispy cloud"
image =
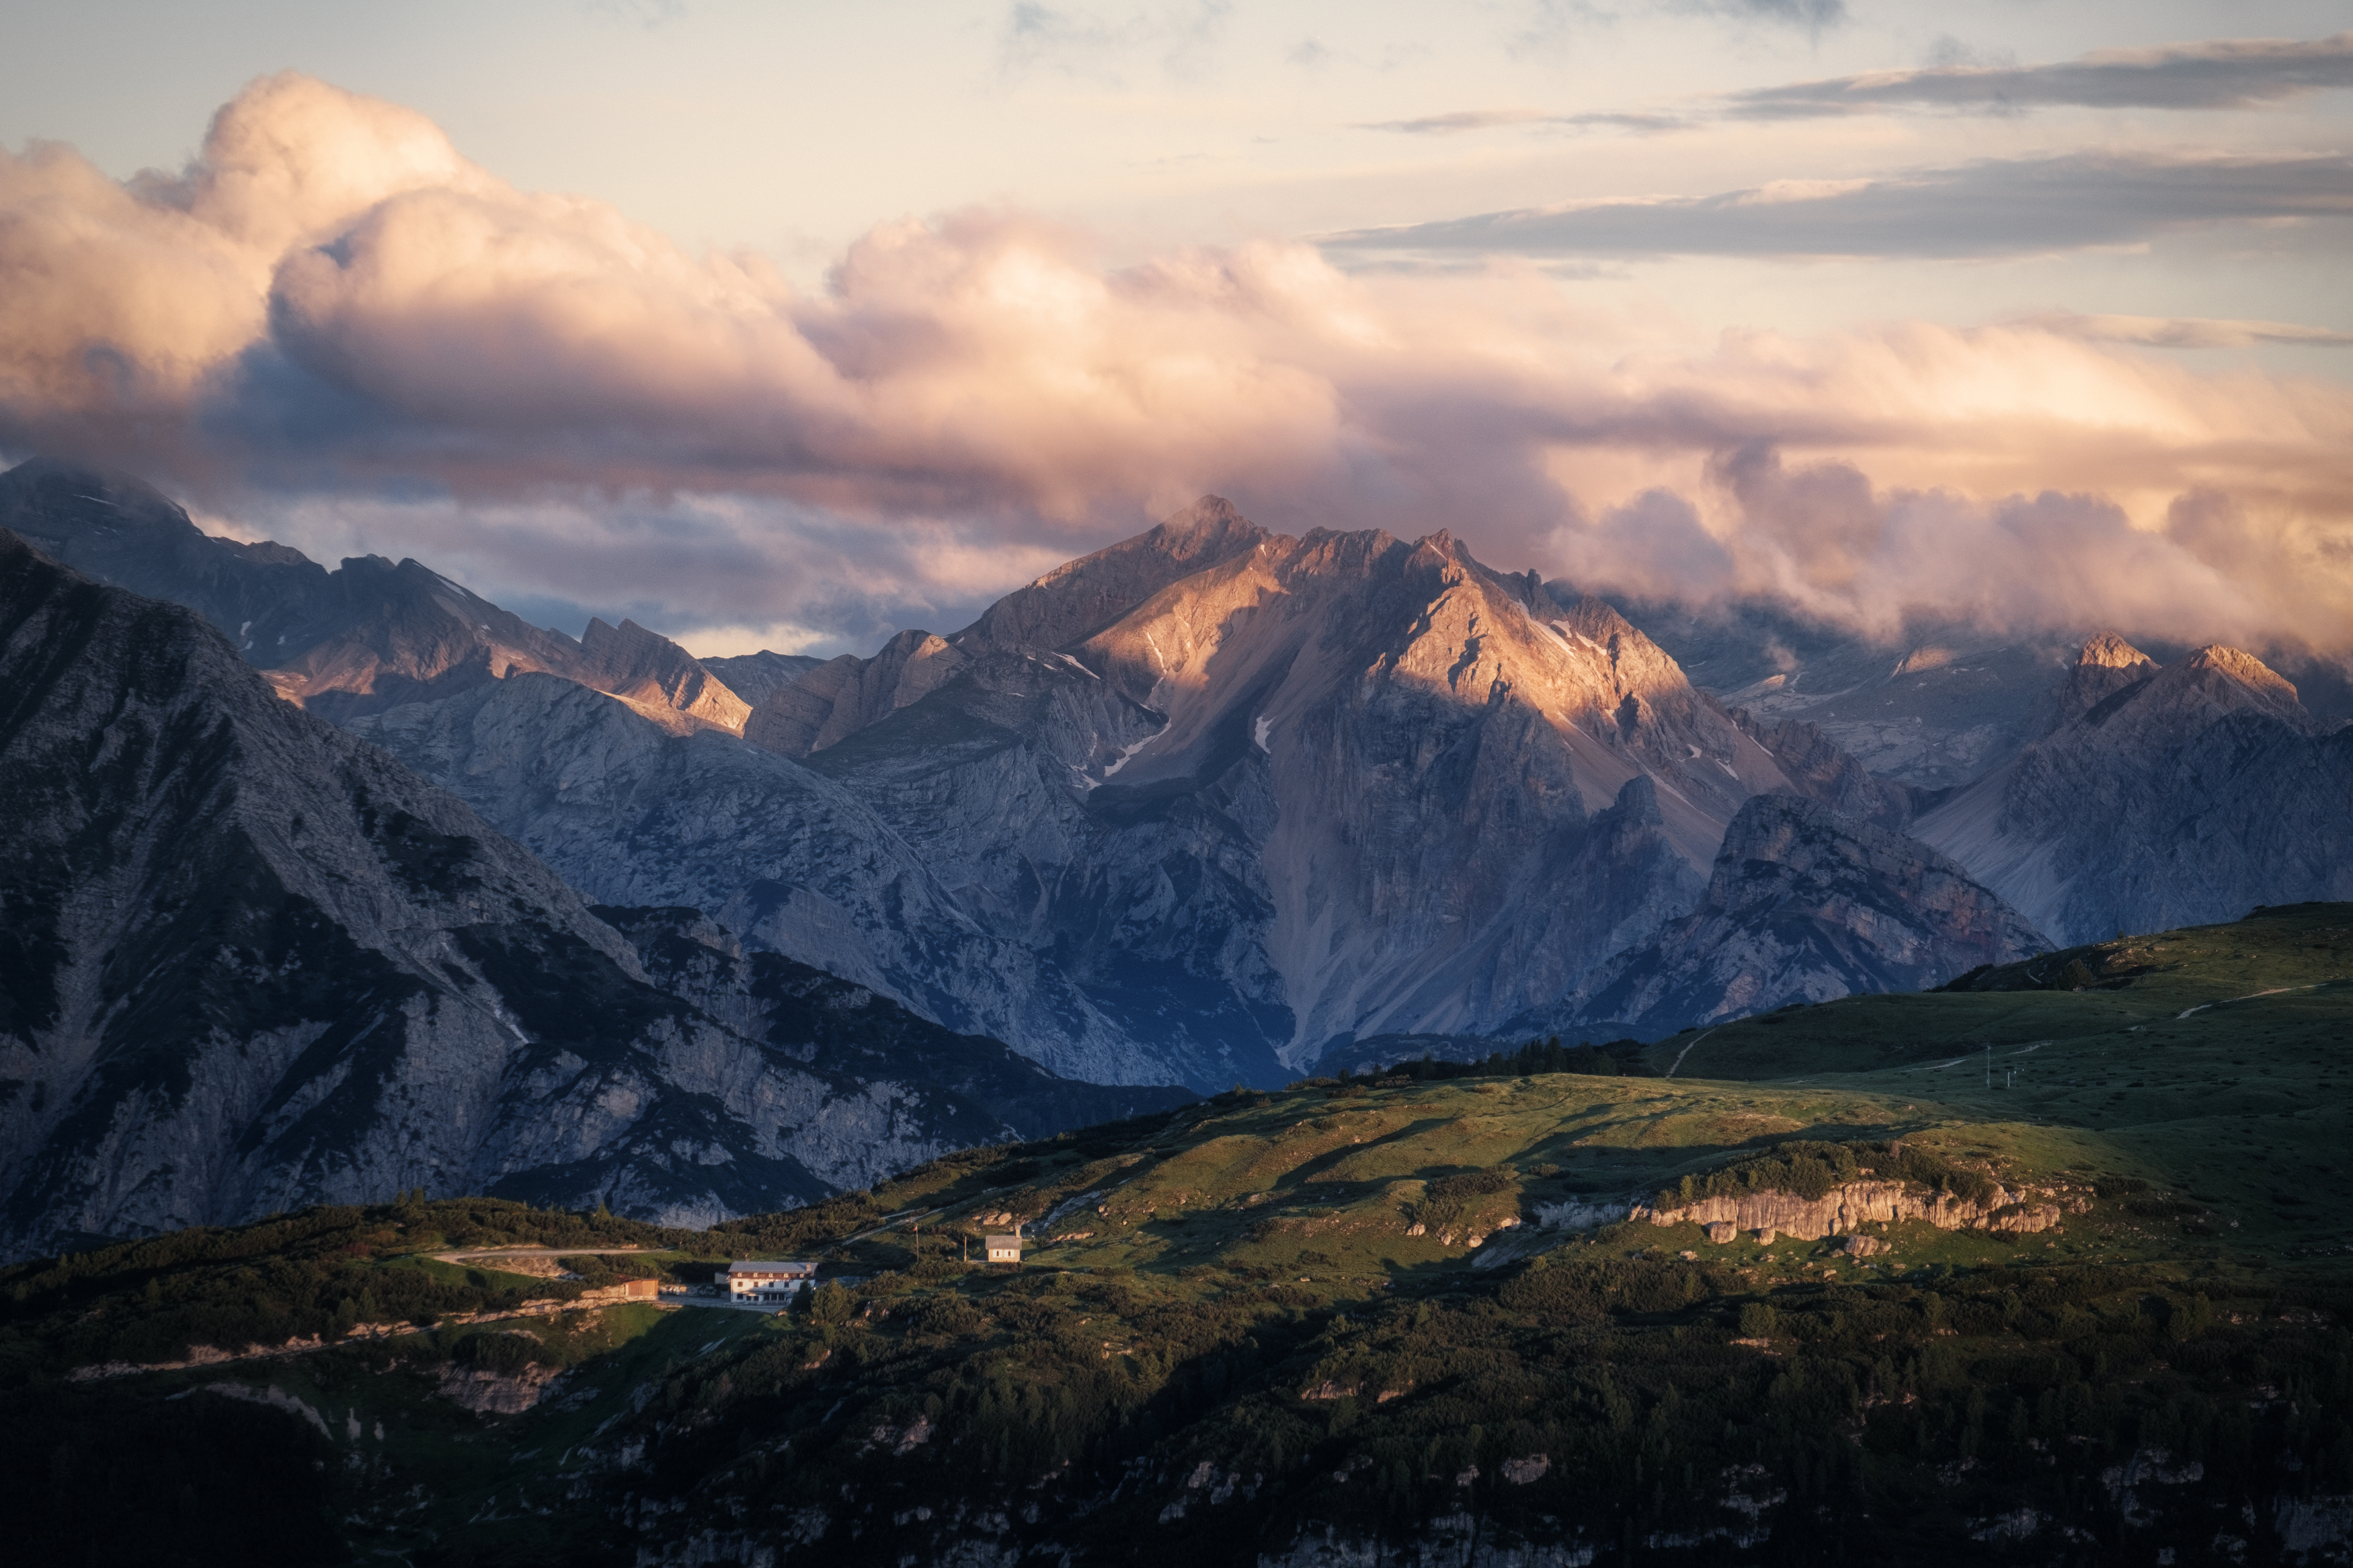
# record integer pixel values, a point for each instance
(1492, 119)
(1178, 38)
(1812, 15)
(2222, 74)
(2230, 73)
(2184, 331)
(1996, 207)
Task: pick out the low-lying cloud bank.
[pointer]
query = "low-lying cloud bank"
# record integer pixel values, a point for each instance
(332, 311)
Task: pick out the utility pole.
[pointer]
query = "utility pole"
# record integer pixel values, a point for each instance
(1988, 1066)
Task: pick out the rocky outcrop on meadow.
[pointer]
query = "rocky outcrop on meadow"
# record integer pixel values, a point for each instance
(486, 1391)
(1764, 1215)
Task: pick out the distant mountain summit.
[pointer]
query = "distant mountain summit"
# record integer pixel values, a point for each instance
(369, 635)
(2163, 795)
(1804, 905)
(1080, 597)
(1261, 793)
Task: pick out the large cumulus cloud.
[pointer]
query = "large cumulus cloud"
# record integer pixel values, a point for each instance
(333, 312)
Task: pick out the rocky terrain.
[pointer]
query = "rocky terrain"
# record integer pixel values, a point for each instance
(1265, 794)
(252, 962)
(1934, 703)
(1214, 804)
(1804, 905)
(366, 637)
(843, 1028)
(1844, 1211)
(1284, 791)
(2162, 794)
(771, 848)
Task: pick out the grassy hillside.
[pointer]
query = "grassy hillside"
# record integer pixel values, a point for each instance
(1271, 1320)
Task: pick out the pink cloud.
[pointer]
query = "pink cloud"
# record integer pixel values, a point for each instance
(331, 303)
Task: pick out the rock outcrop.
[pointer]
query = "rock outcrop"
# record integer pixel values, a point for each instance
(1804, 905)
(1764, 1215)
(2164, 796)
(754, 676)
(488, 1393)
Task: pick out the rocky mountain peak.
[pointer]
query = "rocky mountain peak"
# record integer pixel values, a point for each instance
(102, 501)
(845, 695)
(2235, 664)
(755, 677)
(2108, 667)
(1211, 522)
(643, 668)
(2106, 650)
(2159, 707)
(1078, 599)
(2162, 796)
(372, 634)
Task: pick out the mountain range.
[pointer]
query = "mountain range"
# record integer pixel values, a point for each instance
(1213, 805)
(252, 961)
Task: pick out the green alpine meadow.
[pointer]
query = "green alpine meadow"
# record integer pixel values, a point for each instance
(1509, 1311)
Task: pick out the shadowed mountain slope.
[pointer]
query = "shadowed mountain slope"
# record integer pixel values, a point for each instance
(1804, 905)
(2163, 795)
(251, 961)
(840, 1026)
(769, 847)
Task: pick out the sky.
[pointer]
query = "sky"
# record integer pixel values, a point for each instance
(789, 326)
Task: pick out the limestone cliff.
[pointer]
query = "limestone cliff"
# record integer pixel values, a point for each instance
(1845, 1210)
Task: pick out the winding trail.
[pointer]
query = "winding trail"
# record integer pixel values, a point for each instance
(1687, 1049)
(2275, 991)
